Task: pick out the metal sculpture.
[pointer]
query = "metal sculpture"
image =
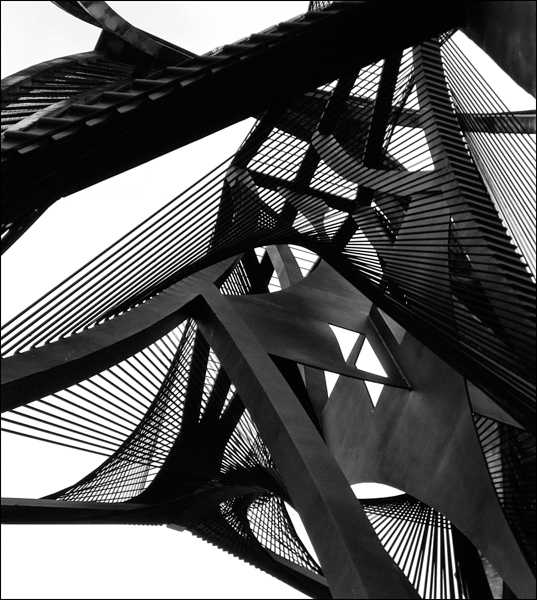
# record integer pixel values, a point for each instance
(207, 394)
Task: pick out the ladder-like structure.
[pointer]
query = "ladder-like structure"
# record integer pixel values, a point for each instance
(385, 193)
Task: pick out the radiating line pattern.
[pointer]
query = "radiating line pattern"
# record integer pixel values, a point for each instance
(417, 193)
(391, 174)
(509, 180)
(424, 544)
(195, 443)
(99, 414)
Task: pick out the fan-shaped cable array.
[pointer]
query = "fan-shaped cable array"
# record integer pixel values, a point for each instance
(196, 444)
(378, 174)
(505, 154)
(97, 415)
(422, 236)
(430, 551)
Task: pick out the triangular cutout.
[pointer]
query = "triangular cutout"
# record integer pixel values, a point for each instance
(260, 252)
(374, 389)
(331, 380)
(305, 258)
(346, 339)
(369, 362)
(274, 284)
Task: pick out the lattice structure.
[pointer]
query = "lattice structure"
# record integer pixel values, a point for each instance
(389, 195)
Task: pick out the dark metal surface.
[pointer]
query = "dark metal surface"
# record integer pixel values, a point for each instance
(206, 395)
(178, 102)
(506, 32)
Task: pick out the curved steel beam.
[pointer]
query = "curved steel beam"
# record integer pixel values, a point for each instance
(178, 106)
(302, 337)
(42, 371)
(98, 13)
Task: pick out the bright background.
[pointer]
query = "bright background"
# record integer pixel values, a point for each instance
(120, 561)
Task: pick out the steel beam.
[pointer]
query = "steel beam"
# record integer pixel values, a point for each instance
(354, 562)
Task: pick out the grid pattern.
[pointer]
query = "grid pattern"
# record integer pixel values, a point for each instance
(64, 79)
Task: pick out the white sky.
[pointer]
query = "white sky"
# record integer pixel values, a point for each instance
(109, 561)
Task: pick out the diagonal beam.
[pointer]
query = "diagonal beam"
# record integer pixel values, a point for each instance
(336, 523)
(180, 109)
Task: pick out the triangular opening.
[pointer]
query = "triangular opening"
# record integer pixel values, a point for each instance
(374, 389)
(346, 339)
(260, 252)
(274, 284)
(305, 258)
(369, 362)
(331, 380)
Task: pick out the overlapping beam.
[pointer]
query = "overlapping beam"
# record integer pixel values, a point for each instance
(177, 106)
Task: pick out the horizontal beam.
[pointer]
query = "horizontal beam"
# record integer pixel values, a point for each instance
(503, 122)
(28, 511)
